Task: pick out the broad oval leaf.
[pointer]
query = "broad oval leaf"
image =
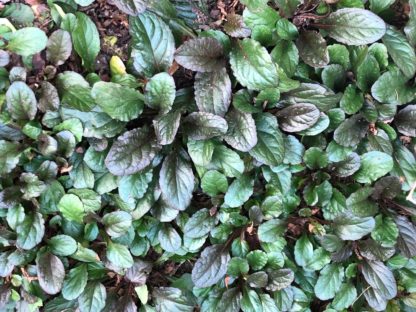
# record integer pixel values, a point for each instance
(21, 101)
(392, 87)
(202, 55)
(400, 51)
(202, 126)
(153, 44)
(298, 117)
(270, 147)
(380, 278)
(93, 298)
(354, 26)
(51, 273)
(30, 231)
(253, 66)
(329, 281)
(213, 92)
(176, 180)
(119, 102)
(131, 152)
(312, 48)
(86, 40)
(75, 282)
(59, 47)
(211, 266)
(160, 92)
(27, 41)
(241, 134)
(353, 228)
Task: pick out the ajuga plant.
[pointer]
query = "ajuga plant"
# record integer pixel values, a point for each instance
(254, 156)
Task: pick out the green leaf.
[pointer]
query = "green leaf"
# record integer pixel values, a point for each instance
(405, 121)
(380, 278)
(353, 228)
(51, 273)
(286, 55)
(75, 91)
(202, 126)
(352, 100)
(400, 51)
(237, 266)
(119, 102)
(202, 55)
(329, 281)
(312, 93)
(75, 282)
(200, 224)
(119, 255)
(385, 231)
(93, 298)
(312, 48)
(253, 66)
(348, 166)
(228, 161)
(166, 127)
(255, 5)
(250, 301)
(269, 231)
(239, 191)
(27, 41)
(72, 208)
(86, 40)
(319, 259)
(169, 239)
(132, 7)
(59, 47)
(217, 98)
(303, 250)
(345, 296)
(117, 223)
(353, 26)
(270, 148)
(171, 299)
(367, 73)
(392, 88)
(9, 156)
(315, 158)
(62, 245)
(176, 180)
(374, 165)
(30, 231)
(134, 186)
(293, 150)
(152, 42)
(241, 133)
(131, 152)
(351, 131)
(214, 182)
(298, 117)
(360, 203)
(211, 266)
(21, 101)
(280, 279)
(160, 92)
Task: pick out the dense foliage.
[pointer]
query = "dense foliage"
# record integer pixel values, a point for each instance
(263, 161)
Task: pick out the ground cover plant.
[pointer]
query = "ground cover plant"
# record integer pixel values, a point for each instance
(191, 155)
